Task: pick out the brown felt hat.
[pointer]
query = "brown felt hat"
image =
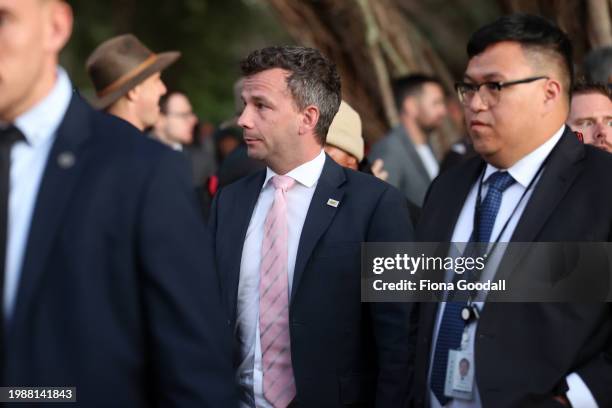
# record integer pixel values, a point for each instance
(119, 64)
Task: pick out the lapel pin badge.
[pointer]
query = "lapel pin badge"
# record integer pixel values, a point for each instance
(333, 203)
(65, 160)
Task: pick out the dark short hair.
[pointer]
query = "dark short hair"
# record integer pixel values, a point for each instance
(165, 99)
(312, 80)
(230, 132)
(535, 34)
(597, 65)
(583, 87)
(411, 85)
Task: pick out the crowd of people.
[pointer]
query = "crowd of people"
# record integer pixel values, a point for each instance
(152, 261)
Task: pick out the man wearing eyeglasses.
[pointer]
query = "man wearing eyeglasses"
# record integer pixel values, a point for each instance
(533, 181)
(176, 120)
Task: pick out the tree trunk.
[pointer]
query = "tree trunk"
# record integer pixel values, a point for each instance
(371, 42)
(374, 41)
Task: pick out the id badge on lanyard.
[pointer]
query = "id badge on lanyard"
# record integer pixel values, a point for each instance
(460, 367)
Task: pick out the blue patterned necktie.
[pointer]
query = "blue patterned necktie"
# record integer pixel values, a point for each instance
(498, 183)
(451, 326)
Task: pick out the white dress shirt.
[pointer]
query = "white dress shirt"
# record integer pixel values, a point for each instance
(28, 161)
(523, 172)
(250, 374)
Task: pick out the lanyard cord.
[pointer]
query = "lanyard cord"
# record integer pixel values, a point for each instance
(518, 204)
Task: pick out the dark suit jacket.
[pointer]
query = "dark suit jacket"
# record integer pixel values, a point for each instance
(344, 352)
(118, 294)
(524, 351)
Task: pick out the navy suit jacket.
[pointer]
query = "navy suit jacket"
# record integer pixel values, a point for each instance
(118, 294)
(344, 352)
(524, 351)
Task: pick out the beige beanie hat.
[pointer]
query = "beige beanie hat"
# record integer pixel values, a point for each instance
(345, 131)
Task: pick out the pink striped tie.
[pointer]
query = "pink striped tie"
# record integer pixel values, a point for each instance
(278, 381)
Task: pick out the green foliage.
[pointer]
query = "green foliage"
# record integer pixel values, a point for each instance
(212, 35)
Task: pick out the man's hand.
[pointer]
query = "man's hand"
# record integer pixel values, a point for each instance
(378, 170)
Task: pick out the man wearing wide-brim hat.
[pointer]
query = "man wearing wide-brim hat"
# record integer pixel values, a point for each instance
(126, 77)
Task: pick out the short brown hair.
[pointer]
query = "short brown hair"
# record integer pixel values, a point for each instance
(313, 79)
(583, 87)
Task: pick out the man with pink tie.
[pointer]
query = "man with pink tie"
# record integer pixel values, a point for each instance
(287, 245)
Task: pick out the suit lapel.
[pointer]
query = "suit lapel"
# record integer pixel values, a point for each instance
(57, 184)
(319, 216)
(564, 164)
(442, 217)
(243, 210)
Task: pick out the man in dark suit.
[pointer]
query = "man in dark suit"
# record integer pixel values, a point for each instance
(108, 282)
(538, 183)
(288, 250)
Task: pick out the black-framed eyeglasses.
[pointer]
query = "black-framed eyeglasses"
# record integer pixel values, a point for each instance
(490, 90)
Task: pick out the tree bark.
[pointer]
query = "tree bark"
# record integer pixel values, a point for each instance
(371, 42)
(599, 17)
(374, 41)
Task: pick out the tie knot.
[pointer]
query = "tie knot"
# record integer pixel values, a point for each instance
(10, 135)
(282, 182)
(501, 180)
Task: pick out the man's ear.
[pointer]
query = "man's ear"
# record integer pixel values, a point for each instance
(309, 119)
(133, 94)
(59, 20)
(553, 92)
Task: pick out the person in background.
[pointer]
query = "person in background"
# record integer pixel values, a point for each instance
(591, 114)
(230, 147)
(345, 145)
(202, 157)
(226, 141)
(127, 78)
(462, 150)
(405, 150)
(176, 122)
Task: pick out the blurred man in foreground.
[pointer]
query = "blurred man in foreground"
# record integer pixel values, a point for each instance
(108, 283)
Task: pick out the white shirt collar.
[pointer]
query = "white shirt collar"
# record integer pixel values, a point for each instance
(306, 174)
(525, 169)
(41, 122)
